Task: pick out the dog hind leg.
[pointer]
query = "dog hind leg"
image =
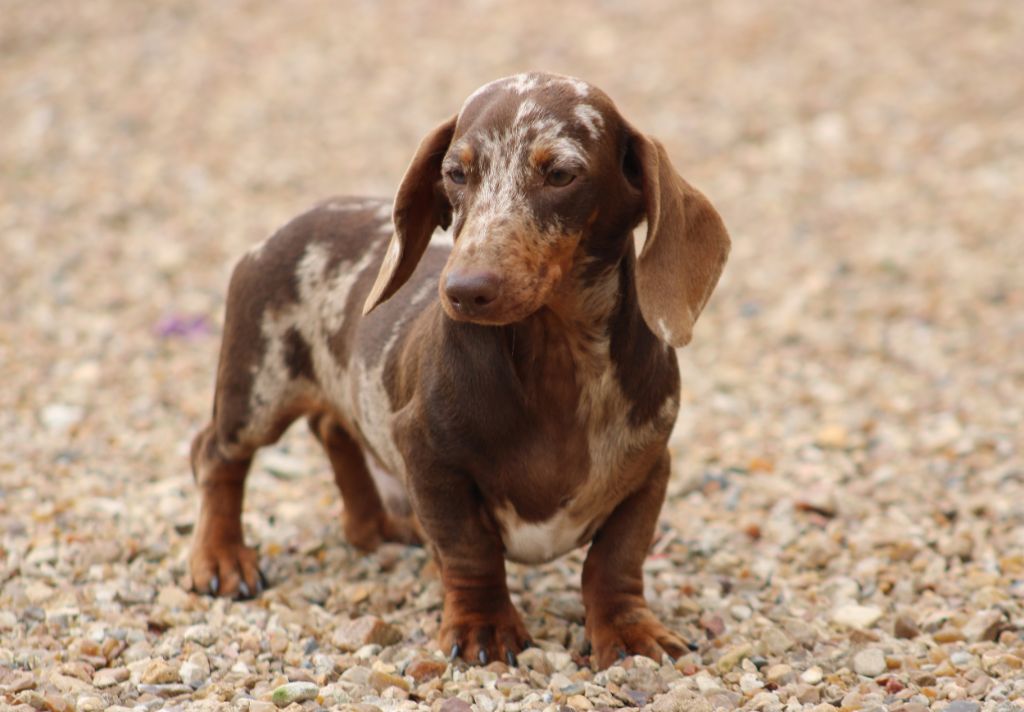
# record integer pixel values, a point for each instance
(366, 521)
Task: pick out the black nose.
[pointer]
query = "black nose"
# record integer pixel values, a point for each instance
(471, 292)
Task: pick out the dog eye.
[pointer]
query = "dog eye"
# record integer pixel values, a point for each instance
(559, 178)
(457, 176)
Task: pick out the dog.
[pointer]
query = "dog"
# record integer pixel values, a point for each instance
(509, 398)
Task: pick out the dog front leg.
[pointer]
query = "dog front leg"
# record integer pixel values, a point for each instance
(618, 621)
(479, 622)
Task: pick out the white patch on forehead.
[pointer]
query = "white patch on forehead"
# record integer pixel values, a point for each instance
(591, 119)
(579, 86)
(537, 542)
(523, 83)
(526, 82)
(528, 108)
(520, 83)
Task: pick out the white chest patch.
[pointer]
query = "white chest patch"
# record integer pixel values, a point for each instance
(537, 542)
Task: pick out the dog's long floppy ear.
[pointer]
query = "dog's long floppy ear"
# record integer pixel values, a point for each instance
(420, 207)
(686, 246)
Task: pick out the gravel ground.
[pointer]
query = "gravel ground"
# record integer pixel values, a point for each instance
(846, 524)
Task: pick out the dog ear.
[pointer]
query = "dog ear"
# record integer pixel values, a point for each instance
(686, 246)
(420, 207)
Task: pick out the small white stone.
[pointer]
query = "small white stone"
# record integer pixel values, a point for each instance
(59, 417)
(812, 675)
(749, 682)
(90, 703)
(856, 616)
(559, 660)
(202, 634)
(740, 612)
(706, 683)
(195, 670)
(869, 662)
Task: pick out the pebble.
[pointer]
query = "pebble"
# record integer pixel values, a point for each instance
(535, 659)
(961, 658)
(294, 692)
(17, 682)
(423, 669)
(905, 627)
(869, 662)
(732, 657)
(68, 684)
(367, 630)
(380, 681)
(749, 682)
(159, 672)
(90, 703)
(201, 634)
(165, 690)
(706, 683)
(680, 699)
(740, 612)
(812, 675)
(855, 616)
(109, 677)
(559, 660)
(579, 702)
(984, 626)
(779, 674)
(59, 417)
(194, 671)
(963, 706)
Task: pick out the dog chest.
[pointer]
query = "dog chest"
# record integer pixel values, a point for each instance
(537, 542)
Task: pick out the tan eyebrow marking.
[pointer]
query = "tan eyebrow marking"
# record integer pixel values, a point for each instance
(541, 156)
(466, 154)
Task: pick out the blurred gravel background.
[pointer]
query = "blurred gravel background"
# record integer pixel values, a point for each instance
(846, 524)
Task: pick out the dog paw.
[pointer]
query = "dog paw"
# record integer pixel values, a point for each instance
(230, 571)
(480, 640)
(631, 631)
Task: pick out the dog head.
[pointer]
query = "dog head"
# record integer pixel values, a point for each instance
(536, 172)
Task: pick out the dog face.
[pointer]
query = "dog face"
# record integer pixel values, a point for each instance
(525, 175)
(535, 171)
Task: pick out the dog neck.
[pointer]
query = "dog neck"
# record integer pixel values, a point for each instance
(580, 317)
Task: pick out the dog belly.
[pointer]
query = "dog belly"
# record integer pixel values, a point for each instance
(390, 487)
